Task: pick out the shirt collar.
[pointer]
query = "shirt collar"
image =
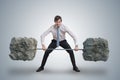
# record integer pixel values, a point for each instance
(56, 26)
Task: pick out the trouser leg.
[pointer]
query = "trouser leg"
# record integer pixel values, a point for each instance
(47, 52)
(65, 45)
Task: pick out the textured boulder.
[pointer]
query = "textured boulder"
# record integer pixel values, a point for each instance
(22, 48)
(95, 49)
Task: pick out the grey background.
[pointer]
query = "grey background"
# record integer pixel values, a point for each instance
(86, 18)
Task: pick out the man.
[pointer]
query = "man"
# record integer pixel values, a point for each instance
(58, 31)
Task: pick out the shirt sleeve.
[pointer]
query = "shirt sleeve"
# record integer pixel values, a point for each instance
(45, 34)
(72, 35)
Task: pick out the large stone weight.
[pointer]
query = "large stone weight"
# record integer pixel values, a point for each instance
(95, 49)
(23, 48)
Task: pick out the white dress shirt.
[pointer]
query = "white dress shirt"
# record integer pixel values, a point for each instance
(63, 30)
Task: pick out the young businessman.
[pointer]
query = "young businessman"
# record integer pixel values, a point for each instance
(58, 31)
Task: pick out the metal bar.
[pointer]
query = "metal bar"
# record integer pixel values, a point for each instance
(57, 49)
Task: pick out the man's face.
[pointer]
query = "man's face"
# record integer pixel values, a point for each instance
(58, 22)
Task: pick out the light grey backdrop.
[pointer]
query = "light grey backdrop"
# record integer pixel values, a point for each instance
(86, 18)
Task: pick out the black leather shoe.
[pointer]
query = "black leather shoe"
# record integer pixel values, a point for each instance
(76, 69)
(39, 69)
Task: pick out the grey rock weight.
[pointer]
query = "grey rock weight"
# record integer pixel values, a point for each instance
(95, 49)
(23, 48)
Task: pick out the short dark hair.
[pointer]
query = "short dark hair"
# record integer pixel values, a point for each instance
(57, 17)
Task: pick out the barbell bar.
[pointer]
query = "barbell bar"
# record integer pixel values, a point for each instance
(23, 48)
(56, 49)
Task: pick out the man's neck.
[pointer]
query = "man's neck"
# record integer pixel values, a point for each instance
(57, 26)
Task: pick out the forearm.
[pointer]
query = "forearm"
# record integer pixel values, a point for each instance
(75, 39)
(42, 39)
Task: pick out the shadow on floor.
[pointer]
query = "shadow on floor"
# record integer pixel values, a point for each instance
(83, 71)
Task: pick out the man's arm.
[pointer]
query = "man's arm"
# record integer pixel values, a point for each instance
(43, 37)
(73, 36)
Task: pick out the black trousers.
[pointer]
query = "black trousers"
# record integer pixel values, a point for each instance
(64, 44)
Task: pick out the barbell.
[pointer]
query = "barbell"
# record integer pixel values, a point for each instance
(23, 48)
(56, 49)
